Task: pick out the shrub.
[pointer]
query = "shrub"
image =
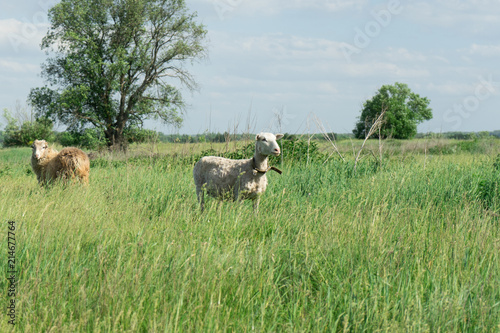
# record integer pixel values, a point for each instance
(294, 151)
(139, 135)
(27, 132)
(91, 138)
(299, 151)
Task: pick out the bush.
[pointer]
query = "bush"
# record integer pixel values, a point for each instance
(299, 151)
(139, 135)
(294, 151)
(27, 132)
(91, 138)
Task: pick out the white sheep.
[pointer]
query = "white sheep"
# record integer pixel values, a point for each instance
(237, 179)
(48, 164)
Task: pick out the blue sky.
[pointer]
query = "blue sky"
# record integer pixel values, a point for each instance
(298, 60)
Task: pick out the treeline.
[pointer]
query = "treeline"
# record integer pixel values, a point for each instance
(24, 134)
(225, 137)
(91, 138)
(20, 134)
(459, 135)
(147, 135)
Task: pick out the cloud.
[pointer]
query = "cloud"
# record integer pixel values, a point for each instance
(450, 88)
(275, 7)
(287, 47)
(401, 54)
(485, 50)
(471, 17)
(275, 56)
(19, 36)
(7, 66)
(384, 70)
(280, 57)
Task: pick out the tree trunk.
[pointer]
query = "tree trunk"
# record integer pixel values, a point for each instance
(115, 140)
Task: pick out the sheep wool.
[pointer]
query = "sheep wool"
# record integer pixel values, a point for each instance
(225, 178)
(48, 164)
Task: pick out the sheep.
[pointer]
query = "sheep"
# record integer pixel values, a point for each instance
(237, 179)
(48, 164)
(41, 155)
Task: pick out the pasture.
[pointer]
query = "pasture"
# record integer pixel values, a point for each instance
(409, 243)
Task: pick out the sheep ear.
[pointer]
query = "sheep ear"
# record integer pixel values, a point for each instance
(257, 137)
(279, 136)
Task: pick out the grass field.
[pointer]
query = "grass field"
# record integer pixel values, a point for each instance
(407, 244)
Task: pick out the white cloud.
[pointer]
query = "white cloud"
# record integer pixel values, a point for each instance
(384, 70)
(475, 14)
(327, 87)
(7, 66)
(485, 50)
(274, 7)
(467, 16)
(280, 57)
(451, 88)
(9, 27)
(18, 36)
(404, 55)
(287, 47)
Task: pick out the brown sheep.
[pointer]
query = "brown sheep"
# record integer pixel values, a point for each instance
(49, 164)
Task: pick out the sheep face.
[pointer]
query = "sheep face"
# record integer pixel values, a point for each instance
(39, 148)
(266, 144)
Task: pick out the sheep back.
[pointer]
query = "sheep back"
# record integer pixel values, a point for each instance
(70, 163)
(222, 176)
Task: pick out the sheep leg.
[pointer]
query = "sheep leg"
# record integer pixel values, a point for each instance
(256, 204)
(200, 193)
(236, 193)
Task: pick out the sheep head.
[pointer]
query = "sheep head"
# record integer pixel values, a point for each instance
(266, 144)
(39, 149)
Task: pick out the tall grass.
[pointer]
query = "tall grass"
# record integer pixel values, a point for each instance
(410, 245)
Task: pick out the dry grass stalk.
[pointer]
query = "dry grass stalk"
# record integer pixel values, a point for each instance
(333, 142)
(375, 127)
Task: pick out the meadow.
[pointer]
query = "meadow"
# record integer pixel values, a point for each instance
(409, 242)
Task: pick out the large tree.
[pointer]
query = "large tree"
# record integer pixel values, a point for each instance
(404, 111)
(116, 63)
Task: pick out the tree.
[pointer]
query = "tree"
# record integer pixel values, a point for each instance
(114, 62)
(19, 132)
(405, 110)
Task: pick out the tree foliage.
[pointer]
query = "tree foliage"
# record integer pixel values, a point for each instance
(19, 133)
(405, 110)
(115, 64)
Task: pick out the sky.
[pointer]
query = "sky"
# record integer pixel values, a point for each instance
(285, 65)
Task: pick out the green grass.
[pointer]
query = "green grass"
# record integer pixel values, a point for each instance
(409, 245)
